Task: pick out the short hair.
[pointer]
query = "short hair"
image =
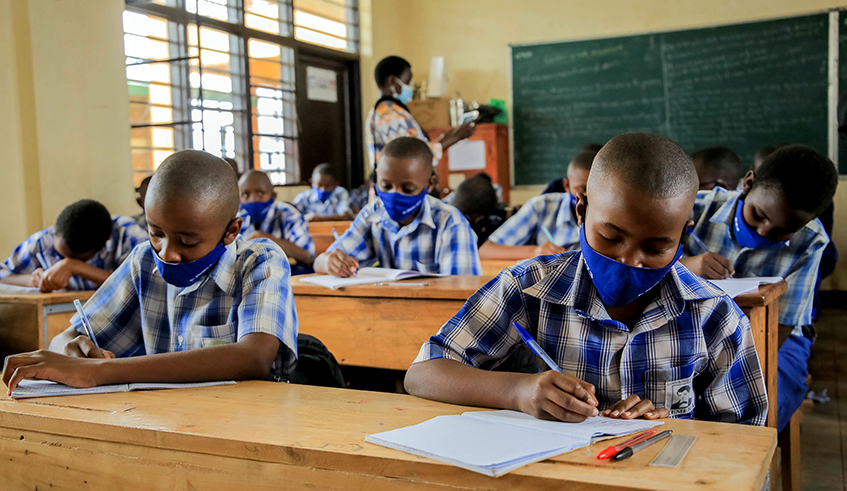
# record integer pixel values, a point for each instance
(324, 170)
(200, 177)
(485, 176)
(764, 153)
(262, 176)
(145, 182)
(84, 226)
(388, 66)
(407, 147)
(721, 159)
(806, 178)
(475, 195)
(591, 147)
(583, 160)
(654, 165)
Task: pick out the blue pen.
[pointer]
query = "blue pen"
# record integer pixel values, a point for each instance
(86, 325)
(41, 260)
(548, 234)
(536, 348)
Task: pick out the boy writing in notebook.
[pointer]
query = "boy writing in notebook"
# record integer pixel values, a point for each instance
(264, 217)
(405, 228)
(201, 303)
(524, 236)
(717, 167)
(77, 253)
(769, 228)
(326, 201)
(624, 320)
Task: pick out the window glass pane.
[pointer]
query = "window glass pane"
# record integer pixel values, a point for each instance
(320, 24)
(319, 38)
(216, 9)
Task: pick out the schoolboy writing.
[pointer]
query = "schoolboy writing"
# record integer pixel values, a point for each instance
(81, 250)
(198, 301)
(405, 228)
(264, 217)
(717, 167)
(626, 322)
(326, 201)
(523, 236)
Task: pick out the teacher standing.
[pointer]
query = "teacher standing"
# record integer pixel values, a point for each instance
(390, 118)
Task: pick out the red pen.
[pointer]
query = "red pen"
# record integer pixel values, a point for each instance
(611, 451)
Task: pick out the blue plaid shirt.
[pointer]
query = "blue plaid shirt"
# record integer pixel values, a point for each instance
(126, 234)
(136, 312)
(439, 240)
(713, 215)
(337, 204)
(551, 210)
(691, 335)
(283, 221)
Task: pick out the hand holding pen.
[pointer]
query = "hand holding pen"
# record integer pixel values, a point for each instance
(339, 262)
(86, 345)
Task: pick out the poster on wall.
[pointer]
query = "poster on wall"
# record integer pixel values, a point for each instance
(321, 84)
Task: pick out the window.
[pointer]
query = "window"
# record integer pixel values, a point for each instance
(219, 76)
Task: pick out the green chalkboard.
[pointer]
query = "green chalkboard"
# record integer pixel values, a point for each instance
(742, 86)
(842, 84)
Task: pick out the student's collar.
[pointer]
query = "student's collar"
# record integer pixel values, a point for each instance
(424, 217)
(222, 272)
(571, 285)
(726, 213)
(566, 213)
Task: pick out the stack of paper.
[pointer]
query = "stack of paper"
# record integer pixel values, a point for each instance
(496, 442)
(363, 277)
(45, 388)
(739, 286)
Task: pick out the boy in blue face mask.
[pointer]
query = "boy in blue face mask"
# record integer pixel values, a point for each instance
(627, 323)
(264, 217)
(769, 228)
(326, 201)
(199, 301)
(405, 228)
(523, 237)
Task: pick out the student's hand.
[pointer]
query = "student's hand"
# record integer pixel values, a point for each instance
(36, 277)
(341, 265)
(709, 265)
(547, 249)
(552, 395)
(633, 407)
(259, 235)
(464, 131)
(58, 275)
(83, 347)
(47, 365)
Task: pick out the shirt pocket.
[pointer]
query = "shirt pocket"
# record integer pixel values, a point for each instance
(205, 336)
(673, 388)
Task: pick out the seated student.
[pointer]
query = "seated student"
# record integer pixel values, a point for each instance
(523, 237)
(628, 325)
(361, 196)
(717, 166)
(476, 198)
(405, 228)
(770, 229)
(264, 217)
(326, 201)
(198, 301)
(140, 193)
(81, 250)
(561, 185)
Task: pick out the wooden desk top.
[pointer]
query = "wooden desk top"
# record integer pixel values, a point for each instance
(326, 227)
(444, 288)
(47, 298)
(321, 428)
(765, 296)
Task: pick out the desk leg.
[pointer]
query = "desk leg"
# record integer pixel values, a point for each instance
(789, 443)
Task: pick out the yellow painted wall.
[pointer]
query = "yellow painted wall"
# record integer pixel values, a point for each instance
(65, 125)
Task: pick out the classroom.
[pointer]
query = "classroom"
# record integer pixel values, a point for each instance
(251, 244)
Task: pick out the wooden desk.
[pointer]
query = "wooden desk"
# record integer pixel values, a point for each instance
(380, 326)
(29, 322)
(493, 267)
(264, 435)
(321, 233)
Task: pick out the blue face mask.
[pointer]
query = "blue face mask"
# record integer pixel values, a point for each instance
(322, 195)
(185, 274)
(257, 211)
(406, 93)
(746, 236)
(617, 283)
(401, 206)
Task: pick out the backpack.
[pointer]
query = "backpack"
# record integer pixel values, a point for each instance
(315, 364)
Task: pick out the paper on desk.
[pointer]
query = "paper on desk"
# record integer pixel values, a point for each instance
(7, 289)
(46, 388)
(739, 286)
(365, 276)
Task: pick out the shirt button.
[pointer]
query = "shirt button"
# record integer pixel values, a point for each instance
(180, 339)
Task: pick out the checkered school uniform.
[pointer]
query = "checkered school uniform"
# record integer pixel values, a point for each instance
(338, 202)
(553, 211)
(283, 221)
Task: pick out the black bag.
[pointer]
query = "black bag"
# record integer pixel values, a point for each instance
(315, 364)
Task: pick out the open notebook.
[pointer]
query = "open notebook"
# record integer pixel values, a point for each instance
(739, 286)
(496, 442)
(45, 388)
(365, 276)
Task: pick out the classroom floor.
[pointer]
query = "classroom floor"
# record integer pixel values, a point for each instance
(823, 432)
